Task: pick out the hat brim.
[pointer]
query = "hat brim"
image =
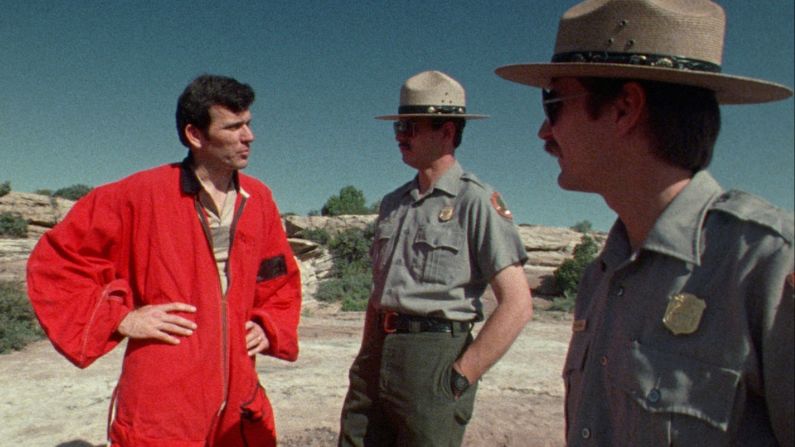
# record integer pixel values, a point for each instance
(431, 115)
(728, 89)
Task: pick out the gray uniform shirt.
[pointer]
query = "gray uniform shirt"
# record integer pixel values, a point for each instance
(434, 255)
(727, 378)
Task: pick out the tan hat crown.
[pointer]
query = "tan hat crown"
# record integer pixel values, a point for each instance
(674, 41)
(431, 94)
(650, 32)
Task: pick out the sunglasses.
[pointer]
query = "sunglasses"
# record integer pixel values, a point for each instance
(405, 127)
(552, 103)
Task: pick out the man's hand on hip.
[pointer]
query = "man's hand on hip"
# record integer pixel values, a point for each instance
(157, 322)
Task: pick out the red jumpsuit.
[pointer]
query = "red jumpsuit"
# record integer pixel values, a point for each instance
(143, 240)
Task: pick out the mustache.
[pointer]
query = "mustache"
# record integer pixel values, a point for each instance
(551, 147)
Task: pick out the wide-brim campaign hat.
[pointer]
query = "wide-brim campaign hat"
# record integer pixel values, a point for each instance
(673, 41)
(432, 94)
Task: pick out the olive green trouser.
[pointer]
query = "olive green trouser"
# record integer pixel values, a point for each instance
(400, 393)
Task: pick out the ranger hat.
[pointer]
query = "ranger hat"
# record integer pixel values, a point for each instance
(674, 41)
(432, 94)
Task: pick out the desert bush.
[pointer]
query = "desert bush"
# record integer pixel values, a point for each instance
(351, 250)
(18, 324)
(352, 289)
(568, 275)
(5, 188)
(73, 192)
(352, 272)
(318, 235)
(349, 201)
(564, 303)
(584, 226)
(13, 225)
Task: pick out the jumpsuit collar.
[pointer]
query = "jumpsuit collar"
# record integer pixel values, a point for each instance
(190, 184)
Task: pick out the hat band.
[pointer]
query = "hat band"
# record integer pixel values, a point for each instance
(406, 110)
(650, 60)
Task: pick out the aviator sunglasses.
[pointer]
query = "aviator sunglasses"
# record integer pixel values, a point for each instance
(405, 127)
(552, 103)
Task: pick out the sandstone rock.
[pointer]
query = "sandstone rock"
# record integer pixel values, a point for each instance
(13, 257)
(538, 238)
(315, 263)
(547, 247)
(38, 210)
(295, 224)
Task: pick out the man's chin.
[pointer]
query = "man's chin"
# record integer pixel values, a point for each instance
(567, 184)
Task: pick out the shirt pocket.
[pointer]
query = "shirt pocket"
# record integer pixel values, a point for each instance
(438, 249)
(679, 396)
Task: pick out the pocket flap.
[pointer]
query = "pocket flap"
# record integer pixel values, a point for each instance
(665, 382)
(436, 237)
(575, 357)
(384, 230)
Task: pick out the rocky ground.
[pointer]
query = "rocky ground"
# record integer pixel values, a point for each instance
(45, 401)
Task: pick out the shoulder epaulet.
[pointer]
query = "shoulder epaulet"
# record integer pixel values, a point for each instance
(751, 208)
(470, 177)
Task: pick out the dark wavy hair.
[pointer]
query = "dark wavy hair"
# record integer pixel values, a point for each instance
(684, 121)
(193, 106)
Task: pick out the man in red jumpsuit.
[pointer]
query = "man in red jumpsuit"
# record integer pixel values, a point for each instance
(189, 262)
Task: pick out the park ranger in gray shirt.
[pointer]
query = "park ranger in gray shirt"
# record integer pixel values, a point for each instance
(683, 326)
(440, 240)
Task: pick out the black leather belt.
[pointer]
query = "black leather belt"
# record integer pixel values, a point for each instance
(393, 322)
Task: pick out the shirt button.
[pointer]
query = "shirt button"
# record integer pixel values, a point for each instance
(603, 360)
(654, 396)
(399, 262)
(620, 291)
(586, 433)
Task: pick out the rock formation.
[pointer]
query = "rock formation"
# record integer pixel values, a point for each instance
(547, 247)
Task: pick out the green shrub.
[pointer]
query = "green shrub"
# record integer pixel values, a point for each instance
(73, 192)
(568, 275)
(564, 303)
(5, 188)
(13, 225)
(352, 272)
(583, 227)
(349, 201)
(352, 289)
(318, 235)
(351, 251)
(44, 192)
(18, 324)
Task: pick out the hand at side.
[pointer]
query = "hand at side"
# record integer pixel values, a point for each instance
(256, 340)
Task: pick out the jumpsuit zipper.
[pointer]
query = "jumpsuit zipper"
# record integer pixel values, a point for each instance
(224, 301)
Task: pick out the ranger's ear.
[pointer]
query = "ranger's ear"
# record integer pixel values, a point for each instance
(630, 106)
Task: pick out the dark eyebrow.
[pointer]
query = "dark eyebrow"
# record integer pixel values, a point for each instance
(236, 124)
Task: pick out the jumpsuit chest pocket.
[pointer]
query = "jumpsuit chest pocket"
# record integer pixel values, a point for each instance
(681, 396)
(438, 249)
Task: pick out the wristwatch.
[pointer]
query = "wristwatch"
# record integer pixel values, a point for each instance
(458, 383)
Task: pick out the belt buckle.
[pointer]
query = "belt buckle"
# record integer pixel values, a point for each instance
(389, 322)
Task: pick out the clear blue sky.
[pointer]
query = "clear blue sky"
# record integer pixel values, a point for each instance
(89, 90)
